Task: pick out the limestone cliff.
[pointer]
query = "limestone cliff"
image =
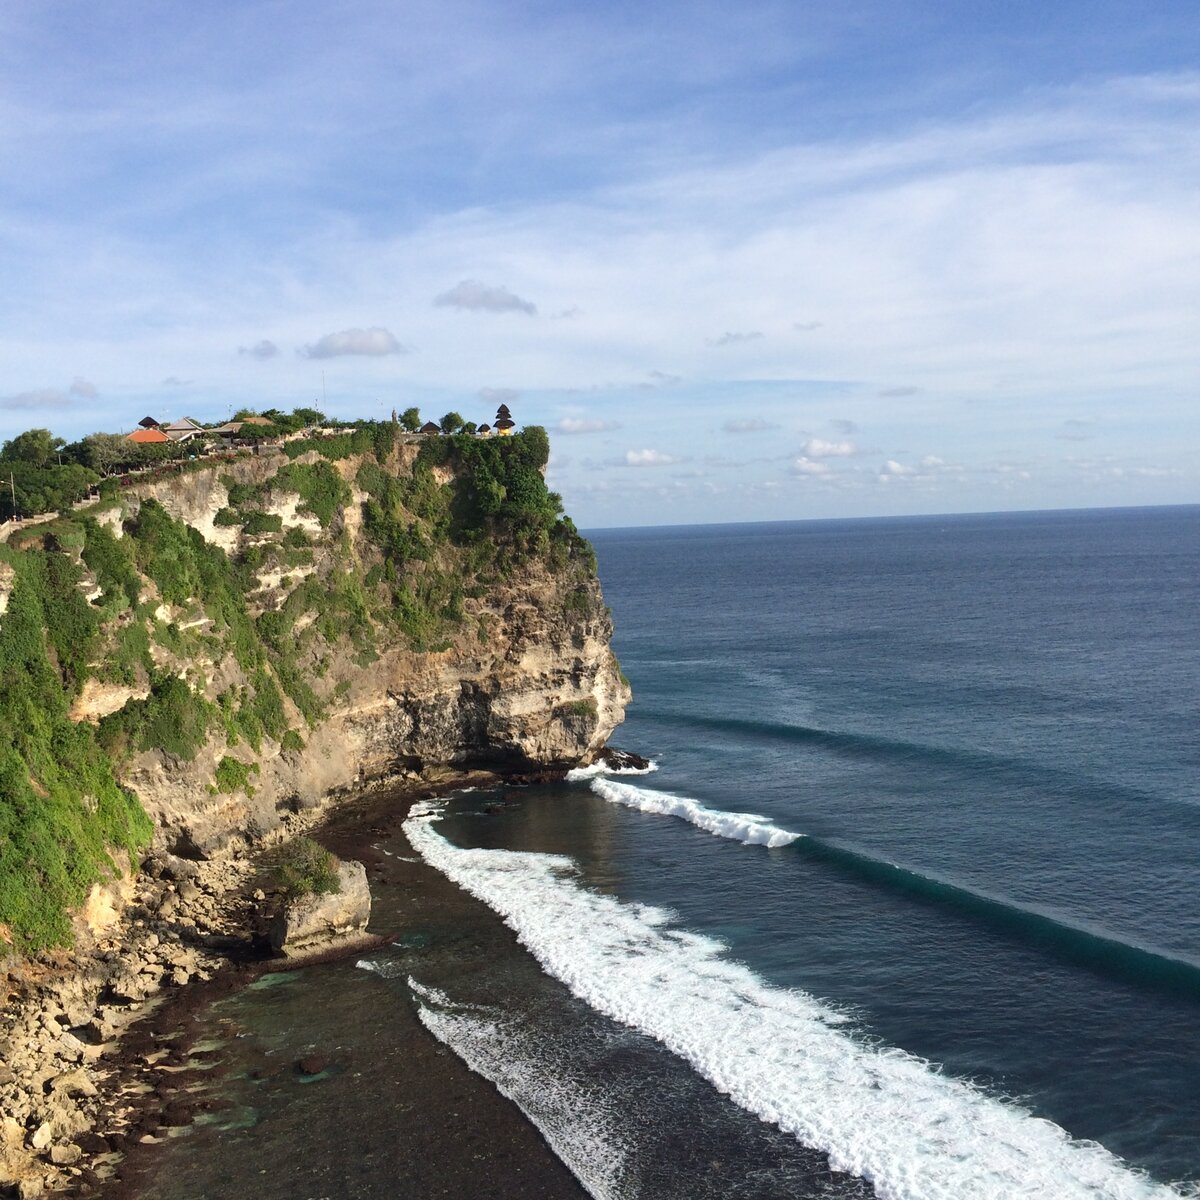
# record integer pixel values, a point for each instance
(268, 629)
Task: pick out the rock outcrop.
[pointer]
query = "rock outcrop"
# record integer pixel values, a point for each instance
(317, 922)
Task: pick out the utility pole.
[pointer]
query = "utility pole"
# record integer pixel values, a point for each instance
(12, 483)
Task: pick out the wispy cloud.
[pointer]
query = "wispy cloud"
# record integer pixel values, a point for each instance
(84, 388)
(261, 350)
(822, 448)
(572, 425)
(41, 398)
(1074, 430)
(473, 296)
(747, 425)
(895, 393)
(649, 458)
(733, 339)
(806, 466)
(373, 343)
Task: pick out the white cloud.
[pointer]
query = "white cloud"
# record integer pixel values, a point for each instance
(373, 343)
(894, 470)
(474, 296)
(261, 350)
(585, 425)
(648, 458)
(820, 448)
(747, 425)
(806, 466)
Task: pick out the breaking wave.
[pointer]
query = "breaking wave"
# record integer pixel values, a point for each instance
(740, 827)
(584, 1132)
(880, 1113)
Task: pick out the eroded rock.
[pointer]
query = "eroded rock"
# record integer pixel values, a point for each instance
(311, 924)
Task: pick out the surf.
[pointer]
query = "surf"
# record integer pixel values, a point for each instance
(1096, 949)
(877, 1112)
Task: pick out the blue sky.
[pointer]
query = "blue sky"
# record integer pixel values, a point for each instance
(746, 262)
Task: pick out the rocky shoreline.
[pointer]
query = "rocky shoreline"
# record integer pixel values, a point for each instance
(94, 1056)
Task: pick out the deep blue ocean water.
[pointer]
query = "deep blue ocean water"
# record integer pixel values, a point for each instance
(911, 893)
(986, 729)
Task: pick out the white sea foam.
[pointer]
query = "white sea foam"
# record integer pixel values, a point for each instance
(582, 774)
(386, 968)
(573, 1118)
(741, 827)
(878, 1112)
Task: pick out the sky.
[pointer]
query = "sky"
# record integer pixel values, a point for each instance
(753, 261)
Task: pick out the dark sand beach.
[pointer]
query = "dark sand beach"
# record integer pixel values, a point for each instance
(396, 1115)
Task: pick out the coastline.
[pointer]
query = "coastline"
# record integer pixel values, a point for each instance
(145, 1083)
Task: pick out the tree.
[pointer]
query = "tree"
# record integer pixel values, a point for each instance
(106, 452)
(470, 427)
(410, 419)
(36, 446)
(309, 416)
(452, 422)
(43, 489)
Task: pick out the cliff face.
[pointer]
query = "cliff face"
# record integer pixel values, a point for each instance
(268, 630)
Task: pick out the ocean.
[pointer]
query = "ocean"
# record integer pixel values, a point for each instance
(910, 893)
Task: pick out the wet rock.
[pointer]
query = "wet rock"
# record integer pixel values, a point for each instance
(312, 1064)
(622, 760)
(177, 1113)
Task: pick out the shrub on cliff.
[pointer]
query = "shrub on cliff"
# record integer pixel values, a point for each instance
(306, 868)
(172, 718)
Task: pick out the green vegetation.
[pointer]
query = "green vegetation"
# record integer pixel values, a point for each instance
(436, 539)
(172, 718)
(307, 869)
(292, 742)
(261, 522)
(233, 775)
(321, 489)
(61, 810)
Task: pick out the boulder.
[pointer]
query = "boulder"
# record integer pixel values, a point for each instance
(311, 924)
